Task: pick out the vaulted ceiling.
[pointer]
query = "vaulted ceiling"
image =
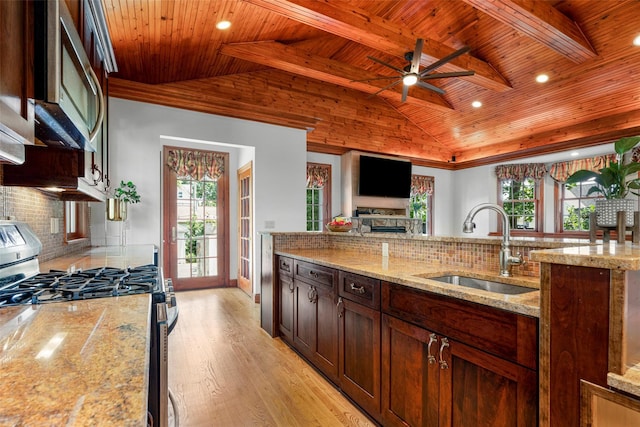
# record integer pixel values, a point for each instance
(294, 62)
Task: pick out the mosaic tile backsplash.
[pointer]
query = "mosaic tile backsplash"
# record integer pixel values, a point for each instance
(451, 252)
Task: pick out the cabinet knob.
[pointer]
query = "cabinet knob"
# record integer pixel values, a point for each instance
(444, 342)
(430, 357)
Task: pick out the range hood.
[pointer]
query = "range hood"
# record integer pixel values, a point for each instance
(61, 171)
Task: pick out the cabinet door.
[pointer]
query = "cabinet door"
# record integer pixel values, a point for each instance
(326, 349)
(285, 315)
(16, 84)
(304, 328)
(410, 374)
(359, 354)
(479, 389)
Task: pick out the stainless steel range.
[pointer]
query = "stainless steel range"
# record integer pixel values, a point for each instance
(22, 283)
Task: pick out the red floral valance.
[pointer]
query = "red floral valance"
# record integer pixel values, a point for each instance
(421, 184)
(196, 164)
(317, 175)
(562, 170)
(521, 171)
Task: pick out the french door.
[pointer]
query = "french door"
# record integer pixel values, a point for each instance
(245, 203)
(195, 226)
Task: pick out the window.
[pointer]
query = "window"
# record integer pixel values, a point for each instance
(575, 207)
(421, 201)
(520, 194)
(520, 203)
(76, 220)
(318, 196)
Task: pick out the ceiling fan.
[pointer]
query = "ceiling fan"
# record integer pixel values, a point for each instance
(411, 74)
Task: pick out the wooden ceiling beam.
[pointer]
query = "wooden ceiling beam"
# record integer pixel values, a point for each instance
(356, 25)
(543, 23)
(297, 61)
(172, 96)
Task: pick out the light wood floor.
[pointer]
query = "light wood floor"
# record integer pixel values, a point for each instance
(224, 370)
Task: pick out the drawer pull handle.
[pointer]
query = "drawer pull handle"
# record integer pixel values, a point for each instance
(357, 289)
(339, 306)
(443, 344)
(313, 274)
(430, 357)
(285, 266)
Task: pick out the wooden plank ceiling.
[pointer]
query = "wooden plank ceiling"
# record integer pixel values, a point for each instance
(294, 62)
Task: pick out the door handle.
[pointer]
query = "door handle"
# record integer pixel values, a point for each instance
(339, 307)
(430, 357)
(443, 363)
(173, 234)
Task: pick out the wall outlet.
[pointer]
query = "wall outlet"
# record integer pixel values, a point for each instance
(55, 225)
(385, 249)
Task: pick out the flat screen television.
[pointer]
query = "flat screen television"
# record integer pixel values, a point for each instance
(382, 177)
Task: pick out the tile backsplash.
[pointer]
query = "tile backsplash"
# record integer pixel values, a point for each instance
(37, 208)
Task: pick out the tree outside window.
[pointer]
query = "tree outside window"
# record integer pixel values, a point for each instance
(421, 201)
(576, 206)
(314, 209)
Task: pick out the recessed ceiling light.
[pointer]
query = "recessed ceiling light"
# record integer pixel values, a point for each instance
(542, 78)
(476, 104)
(223, 25)
(636, 41)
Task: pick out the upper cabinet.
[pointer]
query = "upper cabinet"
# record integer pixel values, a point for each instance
(71, 62)
(16, 84)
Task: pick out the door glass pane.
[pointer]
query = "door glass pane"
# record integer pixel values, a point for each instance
(197, 228)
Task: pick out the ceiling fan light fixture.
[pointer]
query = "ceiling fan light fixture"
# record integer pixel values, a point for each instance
(410, 79)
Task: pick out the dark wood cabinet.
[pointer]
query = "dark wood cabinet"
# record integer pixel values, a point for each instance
(287, 291)
(315, 329)
(359, 345)
(16, 84)
(429, 378)
(410, 357)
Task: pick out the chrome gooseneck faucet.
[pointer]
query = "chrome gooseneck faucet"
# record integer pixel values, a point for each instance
(506, 260)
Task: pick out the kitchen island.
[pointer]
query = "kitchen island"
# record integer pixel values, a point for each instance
(76, 363)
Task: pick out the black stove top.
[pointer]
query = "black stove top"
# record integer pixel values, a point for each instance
(57, 286)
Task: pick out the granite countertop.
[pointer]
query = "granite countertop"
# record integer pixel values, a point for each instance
(103, 256)
(610, 255)
(76, 363)
(403, 271)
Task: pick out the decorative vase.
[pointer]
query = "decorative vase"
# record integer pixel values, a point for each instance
(116, 210)
(607, 211)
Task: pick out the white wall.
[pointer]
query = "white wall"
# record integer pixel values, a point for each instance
(480, 185)
(137, 132)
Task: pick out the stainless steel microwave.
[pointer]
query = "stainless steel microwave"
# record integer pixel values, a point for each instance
(69, 104)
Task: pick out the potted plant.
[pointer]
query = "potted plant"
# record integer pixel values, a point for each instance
(123, 195)
(614, 183)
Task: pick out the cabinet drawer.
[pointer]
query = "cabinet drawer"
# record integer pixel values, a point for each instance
(505, 334)
(285, 266)
(361, 289)
(316, 274)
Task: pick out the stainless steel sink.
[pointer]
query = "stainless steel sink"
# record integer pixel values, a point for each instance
(486, 285)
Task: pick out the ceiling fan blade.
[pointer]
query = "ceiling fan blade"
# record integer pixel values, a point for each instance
(375, 78)
(430, 87)
(405, 92)
(388, 87)
(446, 75)
(417, 54)
(445, 60)
(379, 61)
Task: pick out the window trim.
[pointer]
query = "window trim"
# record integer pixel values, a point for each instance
(539, 217)
(326, 195)
(82, 222)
